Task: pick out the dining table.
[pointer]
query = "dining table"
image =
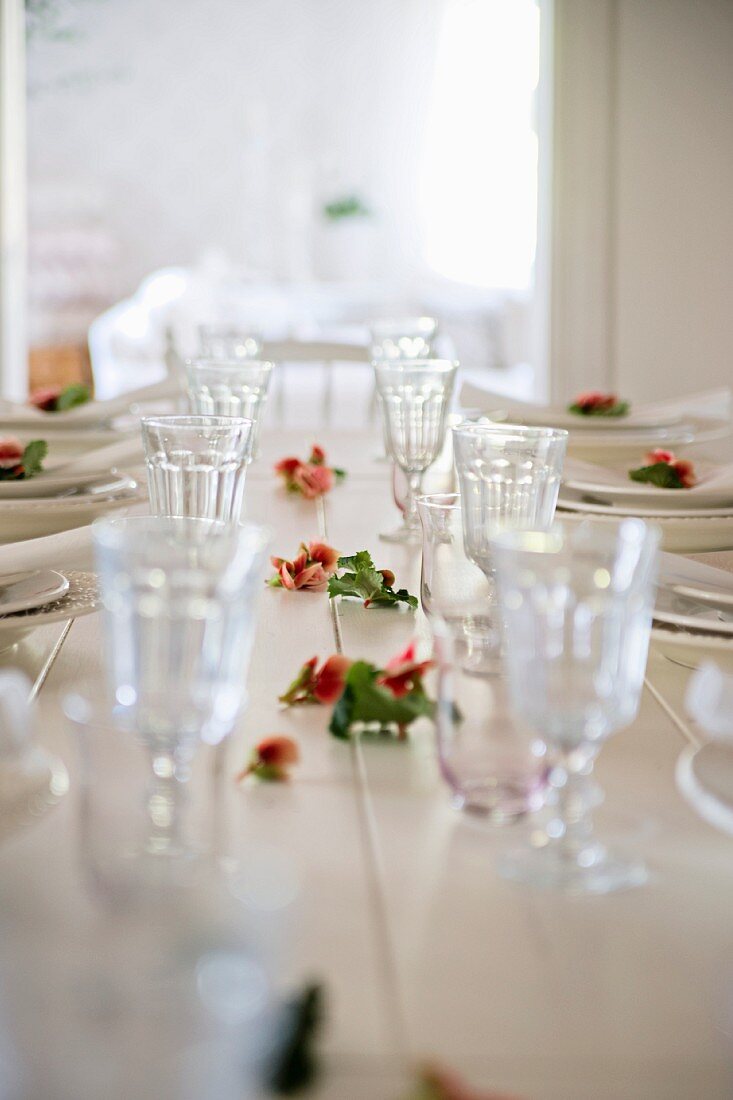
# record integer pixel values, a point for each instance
(394, 907)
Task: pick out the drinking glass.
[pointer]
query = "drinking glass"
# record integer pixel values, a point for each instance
(576, 604)
(229, 387)
(228, 342)
(197, 465)
(493, 765)
(509, 477)
(403, 338)
(179, 599)
(453, 590)
(414, 398)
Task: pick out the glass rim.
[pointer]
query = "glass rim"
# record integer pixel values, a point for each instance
(196, 420)
(113, 532)
(450, 501)
(559, 537)
(424, 364)
(519, 431)
(224, 364)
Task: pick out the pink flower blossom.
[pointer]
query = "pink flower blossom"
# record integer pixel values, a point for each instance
(271, 759)
(311, 569)
(314, 685)
(402, 674)
(46, 398)
(595, 401)
(684, 469)
(11, 452)
(313, 481)
(439, 1083)
(312, 478)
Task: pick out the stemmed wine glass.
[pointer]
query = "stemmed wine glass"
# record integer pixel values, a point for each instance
(179, 598)
(576, 605)
(414, 397)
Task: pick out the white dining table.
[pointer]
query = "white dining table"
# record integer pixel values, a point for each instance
(424, 953)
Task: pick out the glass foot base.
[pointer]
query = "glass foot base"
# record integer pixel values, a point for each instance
(408, 536)
(547, 869)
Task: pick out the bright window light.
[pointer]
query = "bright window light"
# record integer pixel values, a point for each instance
(478, 187)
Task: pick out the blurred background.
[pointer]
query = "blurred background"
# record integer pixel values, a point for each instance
(550, 180)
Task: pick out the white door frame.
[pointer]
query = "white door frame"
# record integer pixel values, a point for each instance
(13, 186)
(582, 280)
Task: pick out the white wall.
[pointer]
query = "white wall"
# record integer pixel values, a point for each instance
(674, 179)
(642, 295)
(187, 125)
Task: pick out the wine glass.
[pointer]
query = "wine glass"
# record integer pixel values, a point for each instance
(494, 766)
(179, 598)
(414, 397)
(453, 590)
(509, 477)
(576, 605)
(196, 465)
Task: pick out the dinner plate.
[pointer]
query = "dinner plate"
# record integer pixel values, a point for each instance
(676, 610)
(574, 502)
(705, 583)
(682, 535)
(50, 485)
(20, 591)
(705, 779)
(30, 519)
(613, 485)
(81, 598)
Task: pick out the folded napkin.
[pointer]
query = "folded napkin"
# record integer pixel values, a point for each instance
(709, 700)
(707, 404)
(65, 550)
(15, 414)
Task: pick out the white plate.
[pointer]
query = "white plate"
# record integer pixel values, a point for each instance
(81, 599)
(48, 485)
(705, 583)
(690, 614)
(21, 591)
(705, 778)
(613, 485)
(573, 502)
(597, 445)
(30, 519)
(683, 536)
(641, 418)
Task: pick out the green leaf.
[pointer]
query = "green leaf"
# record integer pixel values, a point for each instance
(364, 700)
(33, 457)
(621, 408)
(660, 473)
(363, 581)
(76, 394)
(294, 1062)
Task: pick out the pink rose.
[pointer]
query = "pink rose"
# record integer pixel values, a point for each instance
(403, 673)
(271, 759)
(11, 452)
(313, 481)
(311, 569)
(46, 398)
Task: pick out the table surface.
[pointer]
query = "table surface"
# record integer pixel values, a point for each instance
(424, 953)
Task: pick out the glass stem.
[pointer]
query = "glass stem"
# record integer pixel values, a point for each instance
(164, 800)
(414, 482)
(571, 830)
